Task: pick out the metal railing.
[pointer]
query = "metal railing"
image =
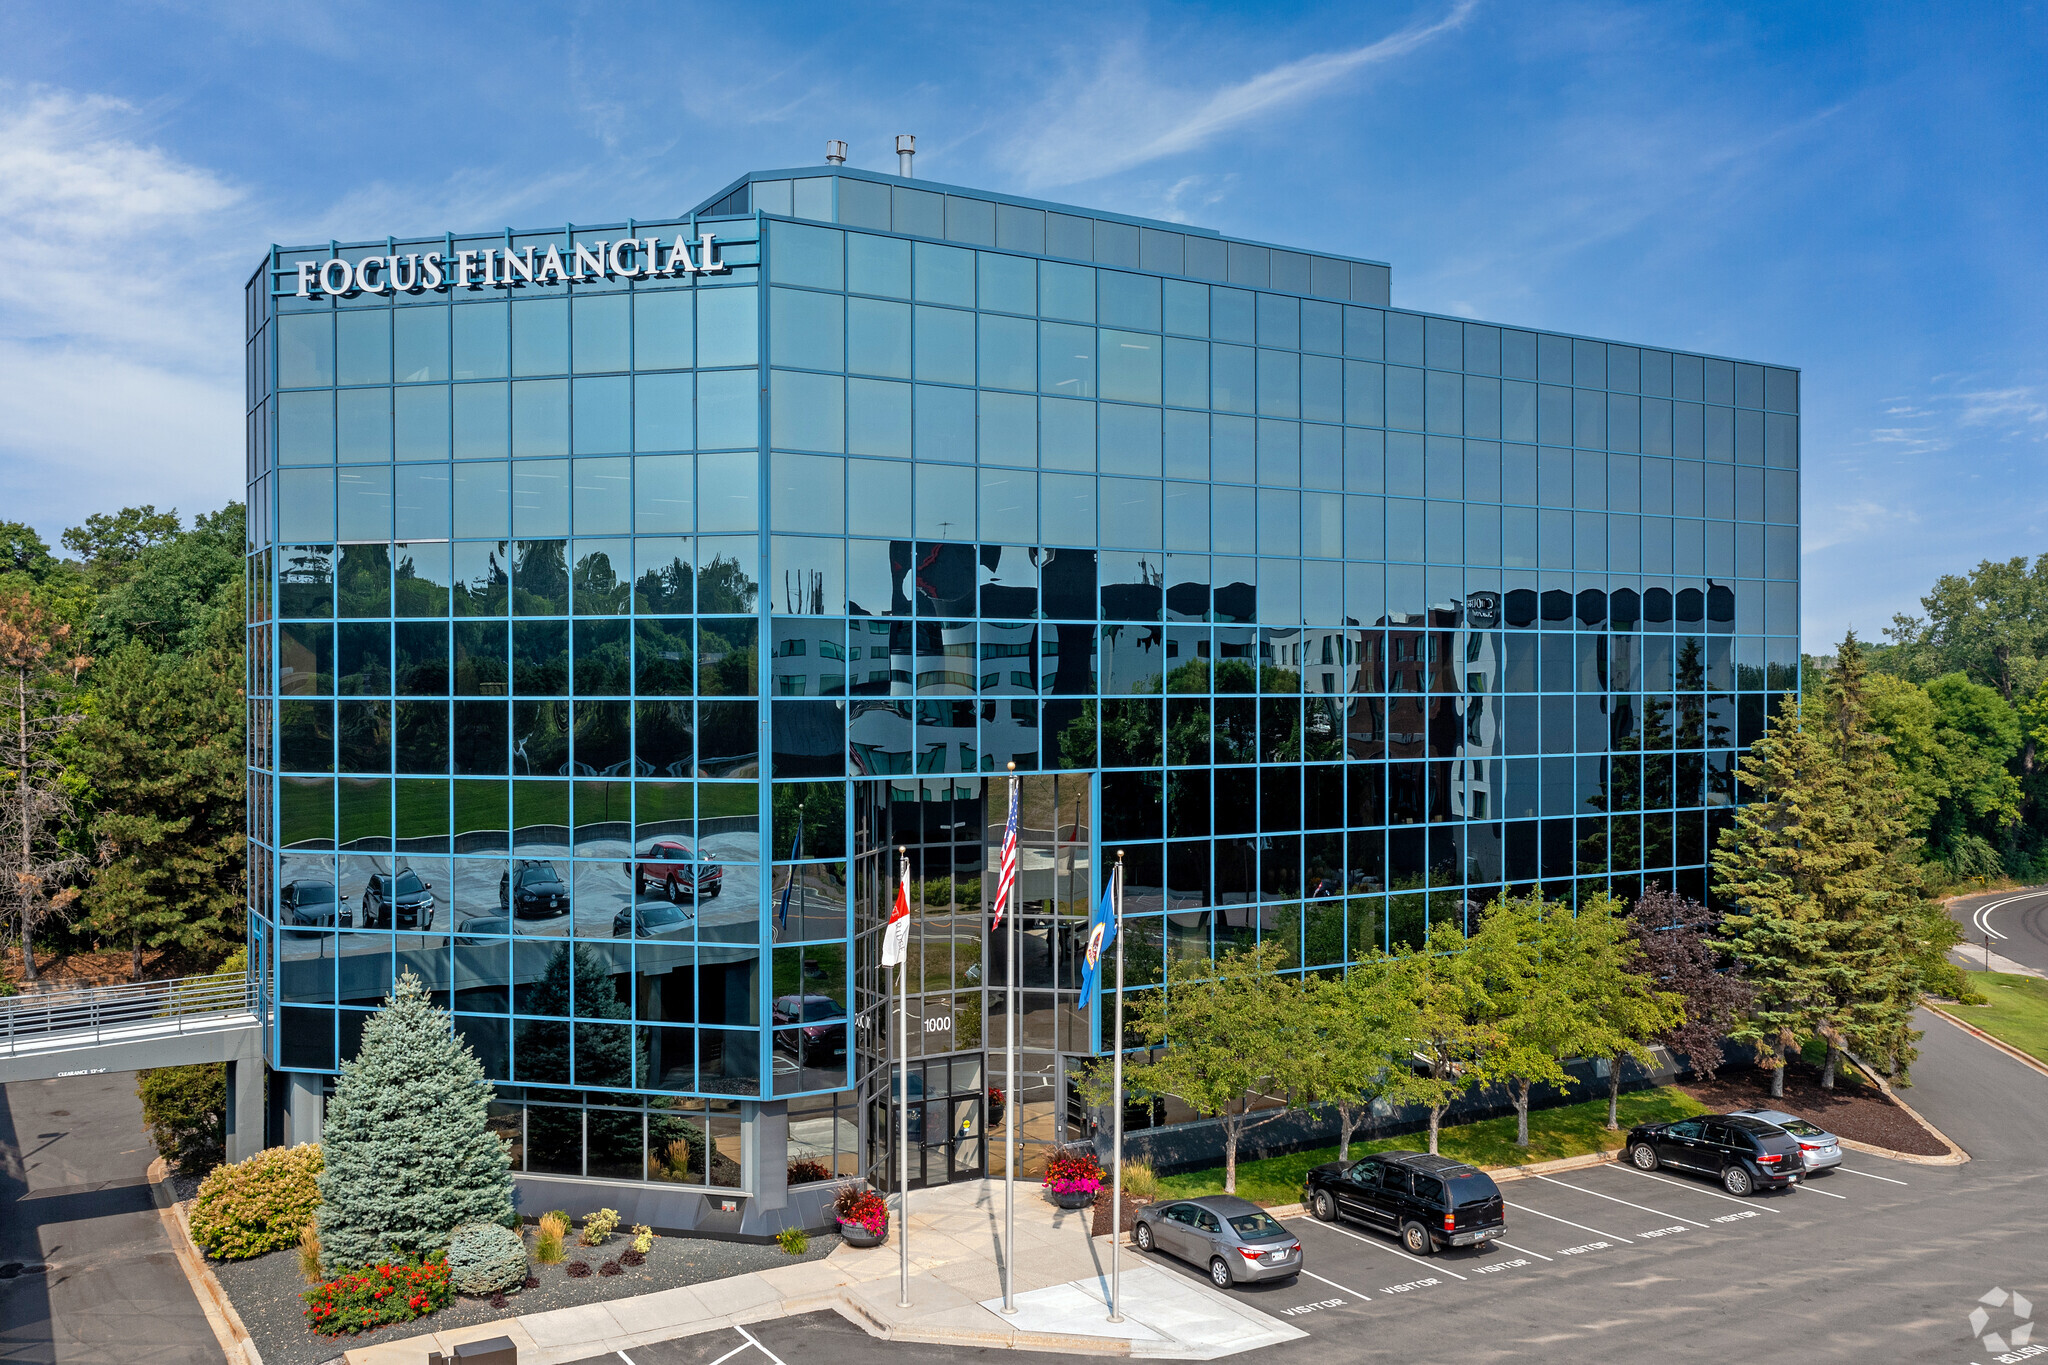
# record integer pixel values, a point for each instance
(88, 1013)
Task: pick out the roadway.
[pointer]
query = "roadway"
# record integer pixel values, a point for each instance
(2015, 923)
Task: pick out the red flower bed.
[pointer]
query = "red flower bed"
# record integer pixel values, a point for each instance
(1074, 1171)
(375, 1296)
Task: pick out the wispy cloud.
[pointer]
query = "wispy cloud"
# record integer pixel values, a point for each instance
(1120, 117)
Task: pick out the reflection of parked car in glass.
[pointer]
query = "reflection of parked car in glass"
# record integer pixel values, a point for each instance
(531, 888)
(823, 1031)
(483, 928)
(398, 900)
(312, 905)
(675, 867)
(654, 921)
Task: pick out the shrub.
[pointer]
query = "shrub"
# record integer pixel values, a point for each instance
(484, 1258)
(409, 1151)
(643, 1238)
(1074, 1170)
(610, 1268)
(633, 1258)
(262, 1204)
(363, 1300)
(548, 1237)
(804, 1170)
(1141, 1182)
(309, 1254)
(793, 1240)
(186, 1108)
(579, 1270)
(598, 1227)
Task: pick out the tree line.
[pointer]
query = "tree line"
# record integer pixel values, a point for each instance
(122, 762)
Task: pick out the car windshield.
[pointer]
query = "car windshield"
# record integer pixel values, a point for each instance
(1256, 1225)
(660, 914)
(1802, 1128)
(1473, 1188)
(314, 893)
(822, 1009)
(409, 884)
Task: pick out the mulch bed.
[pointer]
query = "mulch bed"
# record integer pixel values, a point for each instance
(266, 1290)
(107, 968)
(1102, 1209)
(1854, 1109)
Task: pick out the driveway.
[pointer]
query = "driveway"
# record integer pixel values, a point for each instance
(98, 1284)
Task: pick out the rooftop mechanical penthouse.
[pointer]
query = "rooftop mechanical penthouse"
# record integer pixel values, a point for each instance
(620, 596)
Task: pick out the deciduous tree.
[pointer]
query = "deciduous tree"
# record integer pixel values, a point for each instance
(37, 651)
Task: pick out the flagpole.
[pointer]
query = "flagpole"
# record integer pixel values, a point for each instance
(1010, 1093)
(1116, 1098)
(903, 1087)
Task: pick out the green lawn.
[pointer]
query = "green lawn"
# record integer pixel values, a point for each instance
(1572, 1130)
(2017, 1013)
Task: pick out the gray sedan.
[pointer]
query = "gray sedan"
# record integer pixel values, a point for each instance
(1234, 1239)
(1821, 1149)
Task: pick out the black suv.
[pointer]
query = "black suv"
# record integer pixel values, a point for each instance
(398, 901)
(1431, 1202)
(532, 887)
(1743, 1153)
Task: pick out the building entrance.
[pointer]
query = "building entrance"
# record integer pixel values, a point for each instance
(948, 1114)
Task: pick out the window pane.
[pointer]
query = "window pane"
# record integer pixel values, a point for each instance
(663, 331)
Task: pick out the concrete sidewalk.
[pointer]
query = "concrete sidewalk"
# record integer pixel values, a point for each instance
(956, 1250)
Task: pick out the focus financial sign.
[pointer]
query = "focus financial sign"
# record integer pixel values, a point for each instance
(501, 267)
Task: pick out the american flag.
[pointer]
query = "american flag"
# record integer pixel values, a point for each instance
(1007, 878)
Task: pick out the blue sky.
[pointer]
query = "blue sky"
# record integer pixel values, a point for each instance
(1854, 189)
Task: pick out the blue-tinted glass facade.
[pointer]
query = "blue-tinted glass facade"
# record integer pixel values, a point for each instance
(608, 634)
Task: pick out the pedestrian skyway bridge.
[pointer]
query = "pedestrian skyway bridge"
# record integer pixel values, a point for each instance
(132, 1026)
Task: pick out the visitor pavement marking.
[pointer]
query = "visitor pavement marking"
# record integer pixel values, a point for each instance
(1643, 1207)
(1524, 1250)
(1334, 1285)
(1566, 1221)
(1868, 1176)
(1375, 1242)
(1680, 1185)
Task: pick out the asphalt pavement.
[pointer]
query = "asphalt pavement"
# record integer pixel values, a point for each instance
(87, 1276)
(2013, 923)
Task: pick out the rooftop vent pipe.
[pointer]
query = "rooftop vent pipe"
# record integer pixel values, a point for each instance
(906, 148)
(835, 152)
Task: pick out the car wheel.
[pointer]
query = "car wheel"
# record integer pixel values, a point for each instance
(1643, 1157)
(1736, 1180)
(1415, 1237)
(1324, 1207)
(1219, 1273)
(669, 889)
(1142, 1235)
(639, 886)
(716, 889)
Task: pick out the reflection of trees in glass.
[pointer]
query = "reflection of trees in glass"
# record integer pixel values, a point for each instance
(666, 587)
(540, 576)
(665, 661)
(1132, 735)
(481, 588)
(363, 584)
(723, 586)
(728, 662)
(601, 590)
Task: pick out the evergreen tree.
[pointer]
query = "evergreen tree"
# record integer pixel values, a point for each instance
(1774, 867)
(408, 1149)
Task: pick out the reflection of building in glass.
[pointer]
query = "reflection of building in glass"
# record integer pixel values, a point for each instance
(614, 625)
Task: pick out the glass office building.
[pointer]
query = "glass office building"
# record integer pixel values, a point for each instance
(622, 597)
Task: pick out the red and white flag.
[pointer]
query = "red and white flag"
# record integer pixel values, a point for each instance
(896, 937)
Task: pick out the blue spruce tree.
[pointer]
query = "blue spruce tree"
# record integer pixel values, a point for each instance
(408, 1149)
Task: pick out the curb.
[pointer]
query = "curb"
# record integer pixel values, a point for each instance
(1956, 1155)
(993, 1338)
(2023, 1058)
(234, 1339)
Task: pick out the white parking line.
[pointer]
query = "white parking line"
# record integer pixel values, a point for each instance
(1811, 1190)
(1868, 1176)
(1680, 1185)
(1334, 1285)
(1524, 1250)
(1376, 1242)
(1566, 1221)
(756, 1341)
(1643, 1207)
